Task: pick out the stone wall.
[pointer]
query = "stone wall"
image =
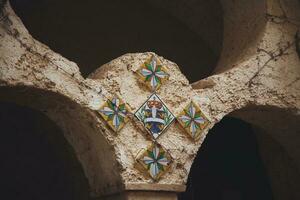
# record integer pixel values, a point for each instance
(258, 81)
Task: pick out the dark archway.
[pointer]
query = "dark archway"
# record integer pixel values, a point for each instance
(93, 32)
(36, 160)
(228, 166)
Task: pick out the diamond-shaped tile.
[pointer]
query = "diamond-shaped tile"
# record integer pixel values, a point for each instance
(193, 120)
(115, 112)
(152, 73)
(155, 116)
(154, 160)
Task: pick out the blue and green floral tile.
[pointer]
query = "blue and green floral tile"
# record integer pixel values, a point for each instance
(152, 73)
(193, 120)
(155, 116)
(115, 112)
(154, 161)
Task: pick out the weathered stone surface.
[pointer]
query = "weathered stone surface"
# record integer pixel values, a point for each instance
(259, 83)
(176, 93)
(33, 75)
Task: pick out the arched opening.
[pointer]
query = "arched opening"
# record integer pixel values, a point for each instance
(277, 131)
(283, 172)
(228, 165)
(36, 160)
(92, 33)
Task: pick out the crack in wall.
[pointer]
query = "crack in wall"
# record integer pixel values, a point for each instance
(273, 56)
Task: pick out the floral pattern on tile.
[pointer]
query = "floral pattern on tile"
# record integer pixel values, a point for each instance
(155, 161)
(152, 73)
(193, 120)
(115, 113)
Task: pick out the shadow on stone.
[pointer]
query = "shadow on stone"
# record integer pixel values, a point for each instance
(92, 33)
(36, 160)
(228, 166)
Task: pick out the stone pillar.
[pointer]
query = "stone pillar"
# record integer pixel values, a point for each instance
(148, 192)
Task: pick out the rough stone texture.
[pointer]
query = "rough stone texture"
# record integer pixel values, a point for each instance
(33, 75)
(176, 93)
(244, 24)
(259, 83)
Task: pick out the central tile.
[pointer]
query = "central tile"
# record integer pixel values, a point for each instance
(155, 116)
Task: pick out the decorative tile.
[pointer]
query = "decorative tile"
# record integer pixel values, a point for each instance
(193, 120)
(152, 73)
(154, 160)
(115, 113)
(155, 116)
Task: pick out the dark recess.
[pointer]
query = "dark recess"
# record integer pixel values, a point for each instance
(2, 4)
(228, 166)
(37, 163)
(93, 32)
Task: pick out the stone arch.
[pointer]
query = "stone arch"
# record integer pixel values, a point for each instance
(277, 131)
(37, 162)
(92, 149)
(281, 124)
(244, 25)
(249, 24)
(282, 169)
(228, 165)
(189, 33)
(28, 62)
